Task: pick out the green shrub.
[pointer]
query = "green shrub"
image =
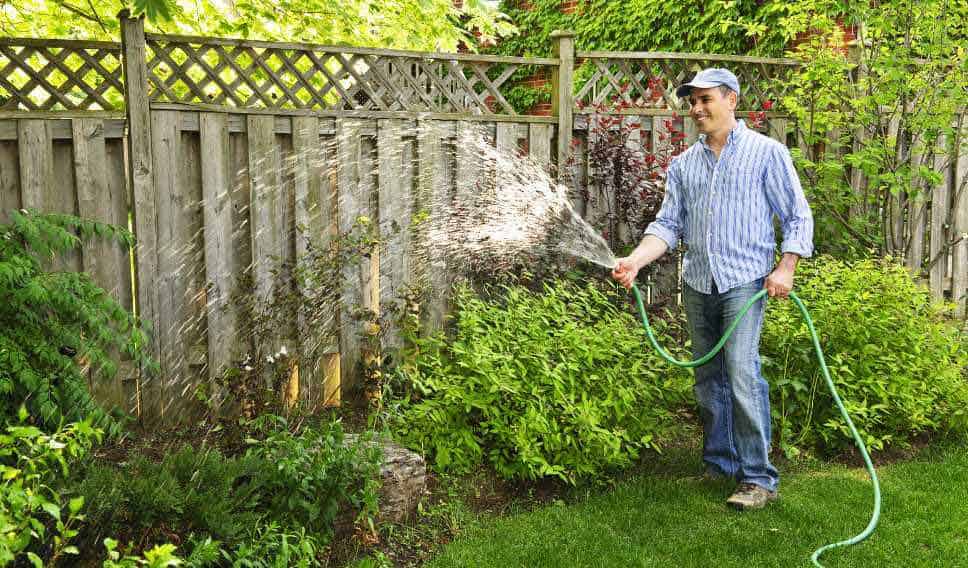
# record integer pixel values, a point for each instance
(286, 485)
(898, 365)
(36, 519)
(559, 383)
(271, 545)
(160, 556)
(196, 490)
(309, 476)
(52, 321)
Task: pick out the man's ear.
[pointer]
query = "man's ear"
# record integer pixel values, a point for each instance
(733, 100)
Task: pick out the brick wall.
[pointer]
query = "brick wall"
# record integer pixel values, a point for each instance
(850, 34)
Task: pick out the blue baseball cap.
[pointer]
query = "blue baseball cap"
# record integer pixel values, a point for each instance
(707, 78)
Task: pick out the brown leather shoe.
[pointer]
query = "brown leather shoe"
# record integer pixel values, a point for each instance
(750, 496)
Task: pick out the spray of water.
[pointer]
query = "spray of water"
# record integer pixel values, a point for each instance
(510, 210)
(485, 210)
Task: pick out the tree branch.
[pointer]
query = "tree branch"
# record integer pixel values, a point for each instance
(90, 5)
(79, 12)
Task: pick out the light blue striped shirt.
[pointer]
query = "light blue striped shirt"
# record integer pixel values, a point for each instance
(723, 210)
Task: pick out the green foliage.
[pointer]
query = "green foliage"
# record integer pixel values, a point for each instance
(898, 365)
(160, 556)
(277, 500)
(522, 97)
(310, 475)
(306, 293)
(552, 384)
(56, 327)
(731, 27)
(274, 545)
(428, 25)
(648, 25)
(36, 518)
(202, 490)
(877, 127)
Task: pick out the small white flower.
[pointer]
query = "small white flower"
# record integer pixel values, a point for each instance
(270, 359)
(282, 352)
(247, 368)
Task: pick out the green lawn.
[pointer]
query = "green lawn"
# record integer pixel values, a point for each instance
(663, 518)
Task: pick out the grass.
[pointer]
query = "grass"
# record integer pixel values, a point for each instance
(665, 518)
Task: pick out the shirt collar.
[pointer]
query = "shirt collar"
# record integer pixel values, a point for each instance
(733, 135)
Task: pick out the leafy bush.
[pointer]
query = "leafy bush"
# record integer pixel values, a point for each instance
(286, 485)
(307, 477)
(271, 545)
(161, 556)
(37, 520)
(198, 490)
(559, 383)
(898, 365)
(47, 317)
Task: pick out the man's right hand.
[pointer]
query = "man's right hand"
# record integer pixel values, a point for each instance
(651, 248)
(625, 271)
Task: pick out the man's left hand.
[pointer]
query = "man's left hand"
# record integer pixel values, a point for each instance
(780, 282)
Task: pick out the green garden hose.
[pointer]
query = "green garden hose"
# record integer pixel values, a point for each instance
(826, 375)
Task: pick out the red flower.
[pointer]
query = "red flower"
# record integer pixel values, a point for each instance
(767, 105)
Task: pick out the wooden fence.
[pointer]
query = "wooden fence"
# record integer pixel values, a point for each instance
(216, 151)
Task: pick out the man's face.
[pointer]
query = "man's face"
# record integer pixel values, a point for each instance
(710, 109)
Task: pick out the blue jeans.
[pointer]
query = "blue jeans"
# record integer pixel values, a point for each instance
(733, 396)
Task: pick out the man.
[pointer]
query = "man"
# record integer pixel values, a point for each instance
(721, 196)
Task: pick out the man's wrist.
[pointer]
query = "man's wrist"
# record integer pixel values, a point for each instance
(789, 261)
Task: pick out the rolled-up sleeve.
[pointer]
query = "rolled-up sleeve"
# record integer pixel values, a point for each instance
(669, 222)
(786, 198)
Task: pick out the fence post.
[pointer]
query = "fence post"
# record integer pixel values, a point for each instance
(959, 213)
(562, 85)
(135, 72)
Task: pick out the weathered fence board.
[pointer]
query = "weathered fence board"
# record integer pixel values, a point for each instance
(959, 252)
(937, 252)
(178, 201)
(308, 178)
(94, 201)
(36, 164)
(396, 211)
(539, 144)
(506, 138)
(222, 264)
(352, 203)
(9, 177)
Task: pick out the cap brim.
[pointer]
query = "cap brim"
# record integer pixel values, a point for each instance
(684, 90)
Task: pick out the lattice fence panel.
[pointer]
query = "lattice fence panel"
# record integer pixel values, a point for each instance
(651, 82)
(43, 75)
(287, 76)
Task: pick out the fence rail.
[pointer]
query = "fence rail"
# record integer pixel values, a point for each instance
(210, 163)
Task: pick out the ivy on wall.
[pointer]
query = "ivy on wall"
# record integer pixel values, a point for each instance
(739, 27)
